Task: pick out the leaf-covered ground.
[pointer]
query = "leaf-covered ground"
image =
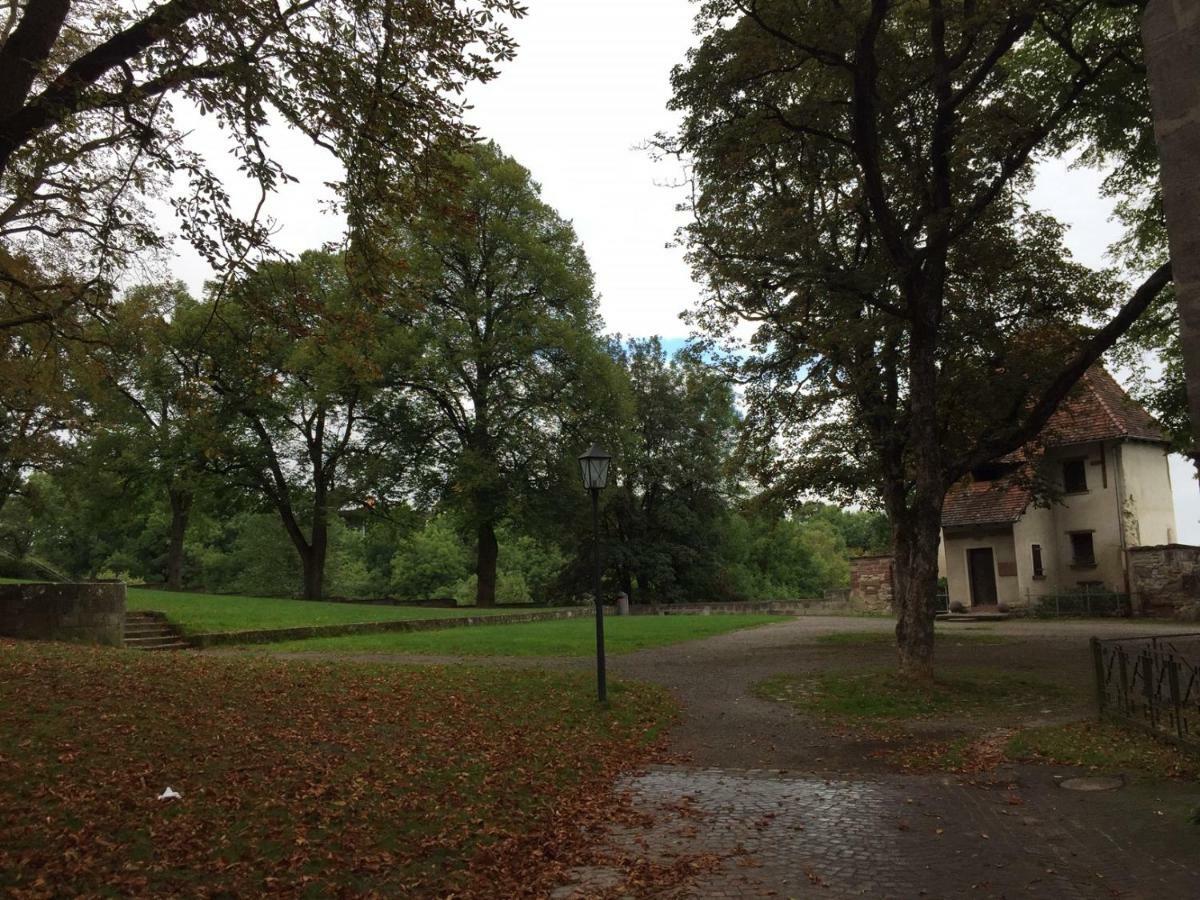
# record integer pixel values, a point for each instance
(302, 779)
(566, 637)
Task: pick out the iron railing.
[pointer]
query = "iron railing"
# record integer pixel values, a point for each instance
(1084, 604)
(1152, 683)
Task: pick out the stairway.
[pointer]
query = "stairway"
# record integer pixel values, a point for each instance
(151, 631)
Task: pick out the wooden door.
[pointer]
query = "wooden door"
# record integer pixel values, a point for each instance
(981, 571)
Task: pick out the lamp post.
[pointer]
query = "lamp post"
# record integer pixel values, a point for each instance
(593, 465)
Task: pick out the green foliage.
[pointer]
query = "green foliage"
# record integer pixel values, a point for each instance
(430, 563)
(500, 307)
(510, 589)
(782, 559)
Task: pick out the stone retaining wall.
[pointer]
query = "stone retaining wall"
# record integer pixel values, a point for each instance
(271, 636)
(83, 613)
(770, 607)
(1165, 580)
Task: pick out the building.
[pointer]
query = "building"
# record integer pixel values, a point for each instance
(1103, 459)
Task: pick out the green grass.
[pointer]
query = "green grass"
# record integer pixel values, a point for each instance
(330, 780)
(201, 613)
(1103, 746)
(883, 696)
(888, 638)
(567, 637)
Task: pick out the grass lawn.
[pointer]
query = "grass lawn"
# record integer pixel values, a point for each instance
(1105, 747)
(881, 638)
(201, 613)
(881, 696)
(311, 779)
(566, 637)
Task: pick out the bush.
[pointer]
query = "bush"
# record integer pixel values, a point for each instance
(510, 588)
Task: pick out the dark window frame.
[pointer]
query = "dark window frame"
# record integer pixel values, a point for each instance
(1078, 562)
(1082, 486)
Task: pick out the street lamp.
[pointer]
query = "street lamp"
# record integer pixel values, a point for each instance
(593, 465)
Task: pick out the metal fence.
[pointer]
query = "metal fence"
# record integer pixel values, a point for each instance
(1085, 604)
(1151, 683)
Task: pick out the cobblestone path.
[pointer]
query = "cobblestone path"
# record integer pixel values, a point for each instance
(915, 836)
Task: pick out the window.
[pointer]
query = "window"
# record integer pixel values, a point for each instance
(1083, 553)
(1075, 476)
(1038, 570)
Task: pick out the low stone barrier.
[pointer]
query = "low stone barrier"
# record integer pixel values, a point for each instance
(82, 613)
(274, 635)
(770, 607)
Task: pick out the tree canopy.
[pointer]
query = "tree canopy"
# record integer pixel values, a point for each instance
(860, 173)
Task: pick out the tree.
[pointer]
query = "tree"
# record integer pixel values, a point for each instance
(88, 93)
(293, 358)
(498, 301)
(39, 384)
(859, 173)
(672, 479)
(1172, 53)
(151, 405)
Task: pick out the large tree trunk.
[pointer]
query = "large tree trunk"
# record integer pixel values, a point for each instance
(917, 529)
(1171, 34)
(312, 558)
(916, 574)
(485, 566)
(181, 509)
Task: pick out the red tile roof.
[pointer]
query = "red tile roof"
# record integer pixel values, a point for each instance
(986, 502)
(1097, 410)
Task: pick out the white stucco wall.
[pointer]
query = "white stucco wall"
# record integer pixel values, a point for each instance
(1037, 526)
(1096, 510)
(1149, 505)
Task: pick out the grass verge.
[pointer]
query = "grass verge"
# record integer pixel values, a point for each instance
(888, 638)
(311, 779)
(1102, 746)
(881, 695)
(566, 637)
(202, 613)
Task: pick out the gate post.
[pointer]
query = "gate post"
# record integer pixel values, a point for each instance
(1098, 662)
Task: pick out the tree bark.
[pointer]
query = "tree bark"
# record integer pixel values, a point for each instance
(917, 530)
(313, 562)
(1171, 35)
(487, 553)
(181, 509)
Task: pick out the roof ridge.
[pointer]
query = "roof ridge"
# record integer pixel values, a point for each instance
(1088, 376)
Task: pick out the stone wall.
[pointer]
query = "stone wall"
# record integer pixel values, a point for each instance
(84, 613)
(871, 585)
(771, 607)
(1164, 580)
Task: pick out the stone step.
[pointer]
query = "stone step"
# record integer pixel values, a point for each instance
(140, 627)
(146, 630)
(154, 648)
(151, 639)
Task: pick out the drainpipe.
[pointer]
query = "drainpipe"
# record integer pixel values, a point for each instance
(1119, 485)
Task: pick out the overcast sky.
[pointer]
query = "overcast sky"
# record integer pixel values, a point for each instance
(589, 85)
